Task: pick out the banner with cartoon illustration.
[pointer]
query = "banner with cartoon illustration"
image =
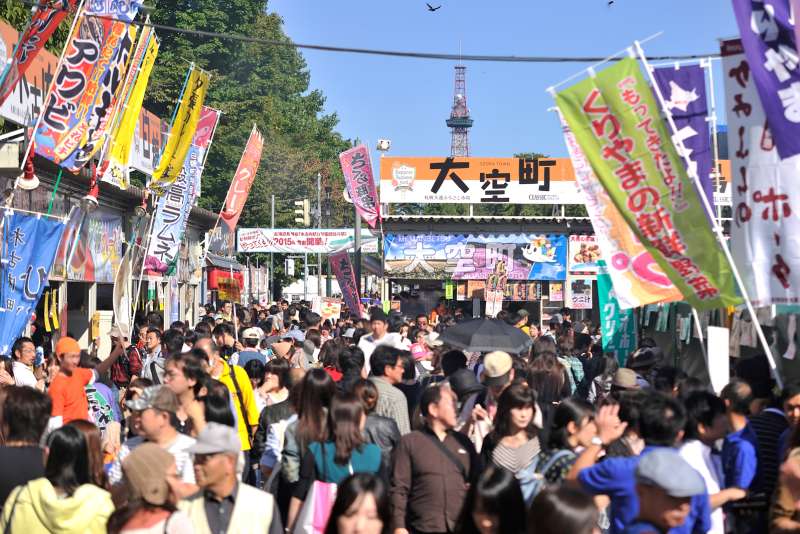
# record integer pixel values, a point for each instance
(473, 257)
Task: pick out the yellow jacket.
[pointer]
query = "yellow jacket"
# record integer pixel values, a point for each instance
(39, 509)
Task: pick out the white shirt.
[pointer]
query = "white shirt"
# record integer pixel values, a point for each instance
(23, 375)
(368, 343)
(183, 459)
(699, 456)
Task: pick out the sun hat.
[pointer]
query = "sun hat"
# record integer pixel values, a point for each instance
(145, 470)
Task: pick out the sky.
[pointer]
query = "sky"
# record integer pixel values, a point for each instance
(408, 100)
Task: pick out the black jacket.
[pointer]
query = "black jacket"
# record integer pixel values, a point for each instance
(383, 432)
(269, 415)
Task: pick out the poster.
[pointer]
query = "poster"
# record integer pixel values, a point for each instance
(584, 253)
(357, 171)
(473, 257)
(327, 308)
(617, 123)
(556, 292)
(302, 240)
(617, 326)
(579, 293)
(228, 289)
(765, 231)
(97, 250)
(477, 181)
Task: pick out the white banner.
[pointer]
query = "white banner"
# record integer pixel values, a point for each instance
(302, 240)
(765, 231)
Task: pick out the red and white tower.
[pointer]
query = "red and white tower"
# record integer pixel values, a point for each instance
(459, 121)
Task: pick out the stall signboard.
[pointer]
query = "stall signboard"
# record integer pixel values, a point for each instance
(473, 257)
(326, 307)
(584, 253)
(478, 181)
(579, 293)
(97, 248)
(302, 240)
(228, 289)
(556, 293)
(26, 101)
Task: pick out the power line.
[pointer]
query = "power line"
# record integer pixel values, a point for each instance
(397, 53)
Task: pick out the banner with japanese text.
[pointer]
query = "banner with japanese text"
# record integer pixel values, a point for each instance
(302, 240)
(44, 21)
(206, 125)
(684, 90)
(474, 257)
(221, 240)
(114, 169)
(181, 133)
(346, 276)
(765, 231)
(767, 32)
(636, 276)
(357, 170)
(29, 247)
(617, 326)
(616, 121)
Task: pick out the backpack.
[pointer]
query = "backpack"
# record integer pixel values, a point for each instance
(531, 479)
(121, 370)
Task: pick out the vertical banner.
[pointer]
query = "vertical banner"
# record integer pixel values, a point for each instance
(767, 30)
(174, 300)
(181, 133)
(637, 278)
(45, 19)
(765, 232)
(222, 239)
(719, 360)
(617, 326)
(684, 91)
(357, 170)
(114, 167)
(346, 276)
(616, 121)
(29, 247)
(206, 125)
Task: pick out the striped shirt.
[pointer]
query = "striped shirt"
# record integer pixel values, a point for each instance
(515, 459)
(768, 427)
(392, 403)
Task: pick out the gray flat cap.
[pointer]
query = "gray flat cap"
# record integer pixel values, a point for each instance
(666, 469)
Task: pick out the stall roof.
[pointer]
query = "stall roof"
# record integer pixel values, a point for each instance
(221, 262)
(485, 224)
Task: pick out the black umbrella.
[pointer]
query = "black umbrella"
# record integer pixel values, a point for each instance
(485, 335)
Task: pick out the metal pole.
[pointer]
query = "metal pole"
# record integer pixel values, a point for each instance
(713, 100)
(357, 250)
(270, 289)
(305, 276)
(716, 227)
(319, 225)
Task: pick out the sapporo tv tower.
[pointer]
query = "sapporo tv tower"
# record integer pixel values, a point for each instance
(459, 121)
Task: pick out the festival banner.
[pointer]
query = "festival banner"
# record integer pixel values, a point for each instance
(206, 125)
(765, 230)
(346, 276)
(617, 326)
(684, 90)
(357, 170)
(616, 120)
(579, 292)
(474, 257)
(181, 133)
(637, 278)
(221, 240)
(121, 298)
(302, 240)
(97, 250)
(44, 21)
(767, 31)
(29, 247)
(114, 168)
(584, 253)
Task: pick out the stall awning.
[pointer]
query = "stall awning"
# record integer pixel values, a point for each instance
(221, 262)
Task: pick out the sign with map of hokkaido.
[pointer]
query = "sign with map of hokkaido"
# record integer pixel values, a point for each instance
(473, 257)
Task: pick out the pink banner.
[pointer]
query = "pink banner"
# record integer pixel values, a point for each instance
(357, 170)
(205, 127)
(346, 276)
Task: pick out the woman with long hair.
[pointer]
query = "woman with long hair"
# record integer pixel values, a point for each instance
(344, 453)
(571, 430)
(561, 511)
(548, 377)
(494, 505)
(362, 507)
(65, 500)
(94, 443)
(380, 430)
(513, 442)
(150, 477)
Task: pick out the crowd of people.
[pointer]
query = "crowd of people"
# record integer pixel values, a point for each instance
(269, 419)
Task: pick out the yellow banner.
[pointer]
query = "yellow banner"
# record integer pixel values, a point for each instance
(114, 169)
(182, 132)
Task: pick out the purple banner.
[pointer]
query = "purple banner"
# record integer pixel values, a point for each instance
(684, 91)
(357, 170)
(346, 276)
(768, 38)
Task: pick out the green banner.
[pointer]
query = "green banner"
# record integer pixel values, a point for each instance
(617, 326)
(617, 123)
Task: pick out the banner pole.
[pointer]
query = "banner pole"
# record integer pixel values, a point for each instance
(696, 318)
(709, 65)
(716, 227)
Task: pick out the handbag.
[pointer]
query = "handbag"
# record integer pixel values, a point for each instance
(316, 510)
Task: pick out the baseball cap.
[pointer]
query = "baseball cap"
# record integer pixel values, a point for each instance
(216, 438)
(157, 397)
(252, 333)
(145, 470)
(350, 332)
(295, 335)
(496, 368)
(666, 469)
(67, 345)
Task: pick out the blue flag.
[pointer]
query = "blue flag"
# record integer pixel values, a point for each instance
(29, 248)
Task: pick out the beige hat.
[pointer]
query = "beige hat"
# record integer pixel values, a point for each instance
(146, 472)
(282, 348)
(496, 368)
(625, 379)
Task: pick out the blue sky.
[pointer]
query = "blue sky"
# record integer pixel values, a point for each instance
(408, 100)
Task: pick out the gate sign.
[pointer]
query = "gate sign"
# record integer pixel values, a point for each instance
(478, 181)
